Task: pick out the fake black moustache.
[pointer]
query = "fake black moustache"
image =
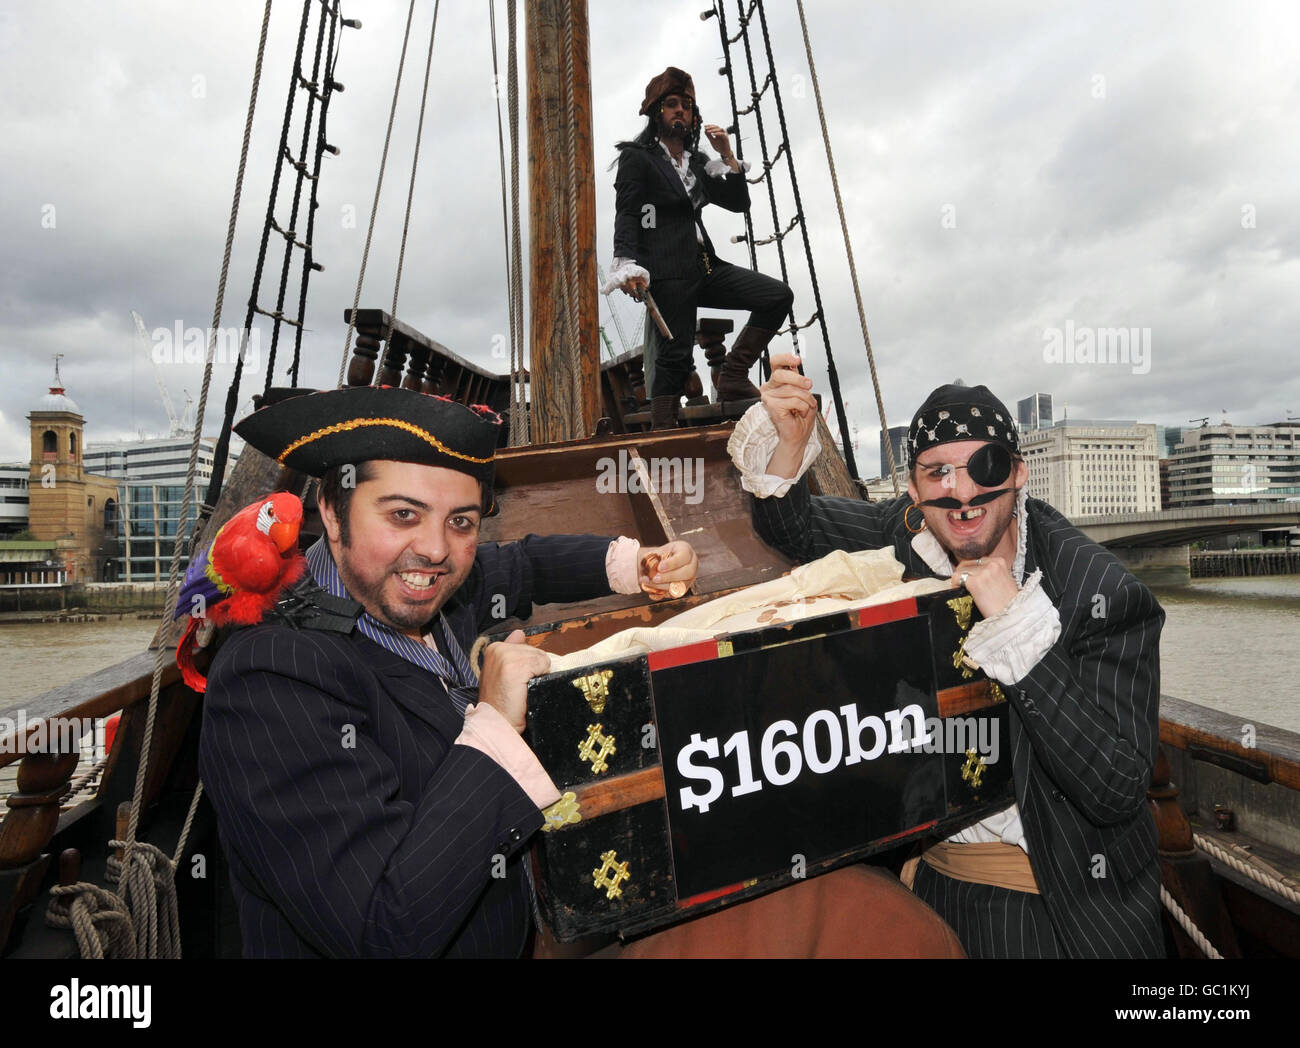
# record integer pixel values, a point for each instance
(978, 500)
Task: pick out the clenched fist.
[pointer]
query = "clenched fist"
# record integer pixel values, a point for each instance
(508, 666)
(788, 398)
(668, 571)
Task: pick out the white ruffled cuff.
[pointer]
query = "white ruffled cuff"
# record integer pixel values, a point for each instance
(623, 271)
(1011, 643)
(751, 447)
(719, 168)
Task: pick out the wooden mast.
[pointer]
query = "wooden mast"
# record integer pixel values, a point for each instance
(564, 373)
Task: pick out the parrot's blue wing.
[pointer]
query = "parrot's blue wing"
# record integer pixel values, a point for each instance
(198, 584)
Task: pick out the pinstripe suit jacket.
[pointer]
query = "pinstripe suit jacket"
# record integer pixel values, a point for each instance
(1084, 721)
(663, 239)
(353, 824)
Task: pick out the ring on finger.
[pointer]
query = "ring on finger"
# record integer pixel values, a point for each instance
(964, 576)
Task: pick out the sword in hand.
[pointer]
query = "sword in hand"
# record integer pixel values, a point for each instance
(643, 295)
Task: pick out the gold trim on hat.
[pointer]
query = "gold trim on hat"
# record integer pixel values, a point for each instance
(356, 423)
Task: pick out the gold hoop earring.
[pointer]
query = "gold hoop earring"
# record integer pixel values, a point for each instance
(908, 524)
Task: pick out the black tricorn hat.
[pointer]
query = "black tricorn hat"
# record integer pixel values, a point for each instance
(314, 432)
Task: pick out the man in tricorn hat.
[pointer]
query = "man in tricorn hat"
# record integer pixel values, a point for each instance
(660, 241)
(373, 798)
(1070, 869)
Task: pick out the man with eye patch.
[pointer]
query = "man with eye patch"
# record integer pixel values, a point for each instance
(1069, 869)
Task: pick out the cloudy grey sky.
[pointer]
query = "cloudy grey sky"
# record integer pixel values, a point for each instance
(1008, 169)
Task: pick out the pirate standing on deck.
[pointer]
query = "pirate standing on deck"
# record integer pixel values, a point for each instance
(373, 798)
(660, 242)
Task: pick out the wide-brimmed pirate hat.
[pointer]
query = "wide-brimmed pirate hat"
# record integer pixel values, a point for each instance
(672, 81)
(314, 432)
(954, 412)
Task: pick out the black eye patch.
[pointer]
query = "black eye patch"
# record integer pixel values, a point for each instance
(989, 466)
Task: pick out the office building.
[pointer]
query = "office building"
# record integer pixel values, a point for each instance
(898, 440)
(1229, 465)
(1094, 467)
(151, 478)
(1034, 412)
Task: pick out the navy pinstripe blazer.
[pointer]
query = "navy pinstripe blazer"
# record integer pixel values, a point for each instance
(354, 827)
(1084, 721)
(663, 240)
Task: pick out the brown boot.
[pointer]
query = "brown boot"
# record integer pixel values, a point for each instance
(733, 379)
(663, 412)
(694, 387)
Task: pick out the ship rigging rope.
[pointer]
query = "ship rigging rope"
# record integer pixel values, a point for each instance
(570, 137)
(1194, 933)
(735, 124)
(300, 165)
(519, 422)
(415, 163)
(374, 207)
(1248, 868)
(848, 249)
(1281, 885)
(832, 373)
(743, 35)
(232, 392)
(505, 204)
(756, 94)
(147, 885)
(514, 285)
(308, 255)
(88, 904)
(99, 920)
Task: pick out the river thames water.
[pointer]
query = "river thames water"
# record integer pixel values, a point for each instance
(1231, 644)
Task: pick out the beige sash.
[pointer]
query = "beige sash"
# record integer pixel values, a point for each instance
(1001, 865)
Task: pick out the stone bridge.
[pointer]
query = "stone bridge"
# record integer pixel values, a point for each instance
(1154, 545)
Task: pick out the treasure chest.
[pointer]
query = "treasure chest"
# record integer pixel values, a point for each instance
(701, 775)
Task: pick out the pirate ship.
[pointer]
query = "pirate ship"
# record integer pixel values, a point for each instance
(125, 858)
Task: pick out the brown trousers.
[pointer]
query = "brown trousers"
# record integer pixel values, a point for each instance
(858, 911)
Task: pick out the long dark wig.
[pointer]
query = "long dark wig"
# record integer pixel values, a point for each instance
(649, 134)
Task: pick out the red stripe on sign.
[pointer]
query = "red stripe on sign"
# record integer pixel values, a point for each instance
(882, 613)
(696, 900)
(683, 656)
(907, 833)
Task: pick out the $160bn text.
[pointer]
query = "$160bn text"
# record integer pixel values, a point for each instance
(824, 744)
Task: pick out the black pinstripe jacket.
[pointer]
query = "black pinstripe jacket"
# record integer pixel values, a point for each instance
(654, 221)
(1084, 721)
(353, 824)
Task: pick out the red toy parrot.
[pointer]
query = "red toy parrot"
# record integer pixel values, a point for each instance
(238, 578)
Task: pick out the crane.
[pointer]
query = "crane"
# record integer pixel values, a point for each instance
(182, 426)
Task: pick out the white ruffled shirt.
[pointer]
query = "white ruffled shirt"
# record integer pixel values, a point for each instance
(1006, 646)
